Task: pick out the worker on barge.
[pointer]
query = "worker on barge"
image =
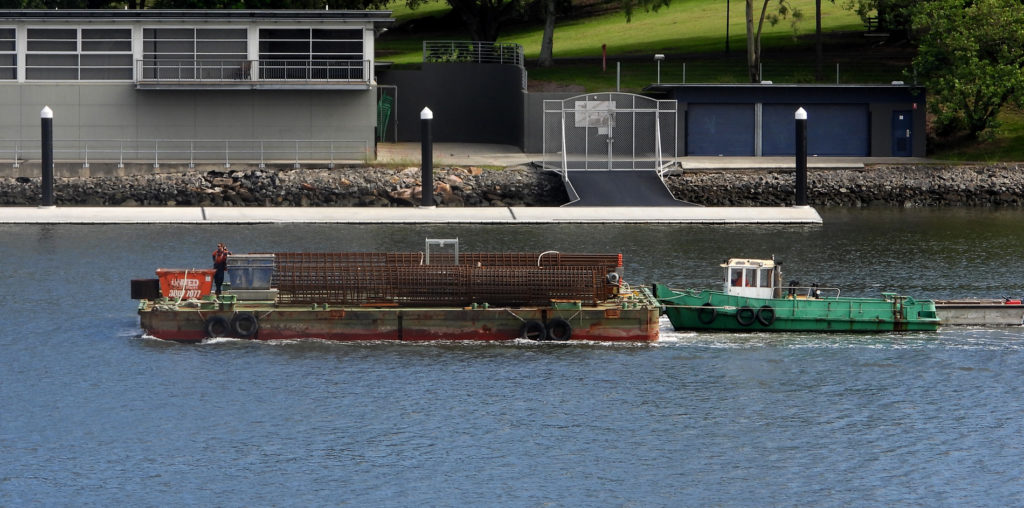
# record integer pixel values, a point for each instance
(220, 264)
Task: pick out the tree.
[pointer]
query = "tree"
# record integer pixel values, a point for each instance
(484, 18)
(971, 57)
(754, 37)
(547, 42)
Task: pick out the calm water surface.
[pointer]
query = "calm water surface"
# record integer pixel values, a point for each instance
(91, 413)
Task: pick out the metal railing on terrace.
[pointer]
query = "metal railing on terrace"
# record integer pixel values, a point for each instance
(472, 52)
(190, 151)
(162, 70)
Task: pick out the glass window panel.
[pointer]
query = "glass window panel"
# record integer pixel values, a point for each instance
(750, 277)
(337, 47)
(37, 60)
(107, 73)
(236, 47)
(284, 33)
(168, 33)
(106, 34)
(766, 278)
(121, 46)
(6, 33)
(8, 72)
(7, 45)
(52, 73)
(52, 45)
(168, 47)
(337, 34)
(53, 33)
(106, 60)
(213, 34)
(301, 47)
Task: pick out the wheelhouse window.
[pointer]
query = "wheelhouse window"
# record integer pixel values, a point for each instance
(195, 53)
(8, 54)
(73, 54)
(311, 53)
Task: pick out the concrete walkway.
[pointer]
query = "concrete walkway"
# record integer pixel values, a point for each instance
(464, 154)
(441, 215)
(482, 154)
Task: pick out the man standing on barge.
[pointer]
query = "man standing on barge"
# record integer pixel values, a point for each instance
(220, 264)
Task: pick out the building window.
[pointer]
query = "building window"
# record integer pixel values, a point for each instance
(195, 53)
(311, 53)
(73, 54)
(8, 54)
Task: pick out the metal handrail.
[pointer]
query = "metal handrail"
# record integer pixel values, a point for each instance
(189, 151)
(165, 70)
(473, 52)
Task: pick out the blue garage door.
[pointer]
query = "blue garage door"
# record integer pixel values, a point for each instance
(720, 129)
(832, 129)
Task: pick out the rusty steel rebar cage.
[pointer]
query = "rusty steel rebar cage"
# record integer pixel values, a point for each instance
(506, 279)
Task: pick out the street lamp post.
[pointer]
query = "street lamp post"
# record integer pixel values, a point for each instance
(658, 58)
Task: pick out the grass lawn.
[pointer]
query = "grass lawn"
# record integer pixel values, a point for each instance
(694, 26)
(1008, 144)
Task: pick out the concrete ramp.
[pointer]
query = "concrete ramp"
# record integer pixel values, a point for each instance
(620, 188)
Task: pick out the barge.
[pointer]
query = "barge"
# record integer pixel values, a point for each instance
(417, 296)
(753, 299)
(981, 312)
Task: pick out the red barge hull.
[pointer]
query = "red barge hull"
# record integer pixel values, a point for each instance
(636, 323)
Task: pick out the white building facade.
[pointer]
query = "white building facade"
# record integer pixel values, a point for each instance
(190, 85)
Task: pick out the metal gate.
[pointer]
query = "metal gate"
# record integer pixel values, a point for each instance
(609, 131)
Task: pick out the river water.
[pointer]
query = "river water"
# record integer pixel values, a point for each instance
(94, 414)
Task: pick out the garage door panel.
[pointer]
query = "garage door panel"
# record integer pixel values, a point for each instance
(842, 129)
(720, 129)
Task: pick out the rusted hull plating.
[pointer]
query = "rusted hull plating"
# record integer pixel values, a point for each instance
(600, 323)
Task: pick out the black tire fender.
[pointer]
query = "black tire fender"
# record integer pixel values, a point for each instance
(216, 326)
(559, 329)
(766, 315)
(533, 330)
(745, 316)
(245, 325)
(707, 313)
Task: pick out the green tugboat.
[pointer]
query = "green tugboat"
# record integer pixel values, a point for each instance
(754, 299)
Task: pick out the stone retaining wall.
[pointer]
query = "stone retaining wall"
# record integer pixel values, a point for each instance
(903, 186)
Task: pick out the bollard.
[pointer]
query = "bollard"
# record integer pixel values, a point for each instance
(46, 119)
(427, 158)
(801, 157)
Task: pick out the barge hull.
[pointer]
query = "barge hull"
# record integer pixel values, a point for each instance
(601, 324)
(979, 313)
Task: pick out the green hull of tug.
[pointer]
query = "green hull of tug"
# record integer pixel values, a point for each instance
(715, 310)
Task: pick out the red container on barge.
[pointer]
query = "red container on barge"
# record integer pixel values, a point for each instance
(351, 296)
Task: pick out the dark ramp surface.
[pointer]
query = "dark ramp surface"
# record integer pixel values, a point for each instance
(621, 188)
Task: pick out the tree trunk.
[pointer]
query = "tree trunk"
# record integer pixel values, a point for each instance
(818, 57)
(752, 61)
(545, 59)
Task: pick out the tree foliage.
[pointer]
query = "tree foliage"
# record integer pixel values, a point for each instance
(971, 58)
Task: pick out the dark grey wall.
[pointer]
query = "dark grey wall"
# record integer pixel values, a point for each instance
(472, 103)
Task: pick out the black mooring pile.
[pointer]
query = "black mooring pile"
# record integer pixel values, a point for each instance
(504, 279)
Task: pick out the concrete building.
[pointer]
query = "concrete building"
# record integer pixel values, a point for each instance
(190, 85)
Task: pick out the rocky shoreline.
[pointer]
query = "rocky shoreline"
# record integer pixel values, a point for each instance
(995, 185)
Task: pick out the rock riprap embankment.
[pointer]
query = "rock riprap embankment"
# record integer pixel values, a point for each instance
(356, 186)
(894, 185)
